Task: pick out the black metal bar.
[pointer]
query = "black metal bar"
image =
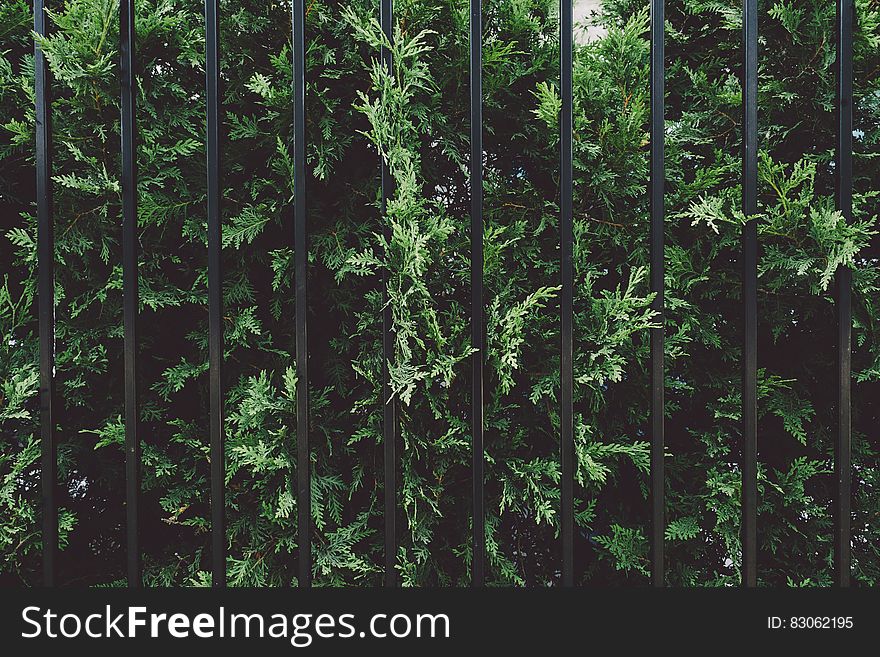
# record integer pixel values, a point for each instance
(301, 254)
(477, 330)
(215, 294)
(844, 162)
(389, 416)
(566, 309)
(657, 287)
(750, 294)
(130, 286)
(46, 297)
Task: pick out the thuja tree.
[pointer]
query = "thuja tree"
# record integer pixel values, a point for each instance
(416, 118)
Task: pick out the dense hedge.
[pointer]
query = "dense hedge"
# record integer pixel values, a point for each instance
(419, 118)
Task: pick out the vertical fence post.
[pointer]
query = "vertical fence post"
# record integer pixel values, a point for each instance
(566, 308)
(389, 405)
(844, 166)
(215, 293)
(750, 293)
(46, 296)
(130, 285)
(657, 287)
(301, 254)
(477, 331)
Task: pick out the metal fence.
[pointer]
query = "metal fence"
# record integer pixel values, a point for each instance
(49, 403)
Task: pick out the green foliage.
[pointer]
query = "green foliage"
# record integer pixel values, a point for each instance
(414, 119)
